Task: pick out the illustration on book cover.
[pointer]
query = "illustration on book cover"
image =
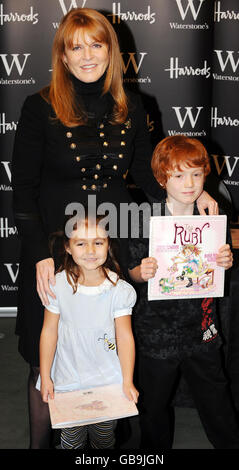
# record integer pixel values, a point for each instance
(186, 248)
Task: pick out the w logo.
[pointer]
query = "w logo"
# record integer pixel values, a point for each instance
(132, 61)
(14, 61)
(13, 275)
(190, 5)
(228, 60)
(226, 163)
(72, 4)
(187, 115)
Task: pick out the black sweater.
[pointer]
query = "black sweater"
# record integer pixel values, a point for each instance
(54, 165)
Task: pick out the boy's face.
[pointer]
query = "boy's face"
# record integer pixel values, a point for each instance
(184, 186)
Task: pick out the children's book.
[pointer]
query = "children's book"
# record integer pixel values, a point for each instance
(94, 405)
(185, 248)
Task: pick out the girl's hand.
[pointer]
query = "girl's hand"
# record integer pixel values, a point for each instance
(205, 201)
(47, 389)
(224, 257)
(130, 391)
(45, 273)
(148, 268)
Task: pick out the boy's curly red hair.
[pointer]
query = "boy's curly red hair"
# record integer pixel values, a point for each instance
(173, 152)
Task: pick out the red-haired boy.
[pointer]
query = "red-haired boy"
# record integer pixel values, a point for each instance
(169, 334)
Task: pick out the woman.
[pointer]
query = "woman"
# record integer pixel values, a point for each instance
(75, 138)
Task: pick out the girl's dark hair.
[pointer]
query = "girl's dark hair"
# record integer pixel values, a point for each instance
(58, 243)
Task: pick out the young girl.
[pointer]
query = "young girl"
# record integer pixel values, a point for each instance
(92, 306)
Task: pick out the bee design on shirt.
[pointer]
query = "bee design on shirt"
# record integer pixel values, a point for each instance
(108, 344)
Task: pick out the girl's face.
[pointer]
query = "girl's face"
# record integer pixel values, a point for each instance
(88, 59)
(88, 247)
(185, 185)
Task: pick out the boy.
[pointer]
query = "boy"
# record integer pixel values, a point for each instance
(169, 333)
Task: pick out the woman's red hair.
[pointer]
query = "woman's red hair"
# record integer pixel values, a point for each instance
(173, 152)
(60, 93)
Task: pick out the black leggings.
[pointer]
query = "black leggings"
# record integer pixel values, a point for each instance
(39, 418)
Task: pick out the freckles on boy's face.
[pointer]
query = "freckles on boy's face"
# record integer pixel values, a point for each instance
(185, 184)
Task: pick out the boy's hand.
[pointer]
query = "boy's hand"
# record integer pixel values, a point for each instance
(131, 392)
(47, 389)
(224, 257)
(148, 268)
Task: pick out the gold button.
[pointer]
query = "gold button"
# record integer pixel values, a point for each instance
(123, 131)
(73, 146)
(93, 186)
(105, 157)
(122, 143)
(96, 177)
(105, 144)
(105, 185)
(109, 177)
(68, 135)
(98, 166)
(102, 125)
(115, 167)
(83, 170)
(121, 155)
(102, 134)
(78, 158)
(84, 187)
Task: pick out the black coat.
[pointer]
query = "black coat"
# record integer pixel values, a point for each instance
(53, 166)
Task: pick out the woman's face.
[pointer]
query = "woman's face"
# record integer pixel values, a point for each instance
(88, 59)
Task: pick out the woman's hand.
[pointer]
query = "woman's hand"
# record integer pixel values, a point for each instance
(45, 273)
(130, 391)
(224, 257)
(47, 389)
(205, 201)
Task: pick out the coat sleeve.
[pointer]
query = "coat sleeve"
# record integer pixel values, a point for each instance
(26, 176)
(140, 169)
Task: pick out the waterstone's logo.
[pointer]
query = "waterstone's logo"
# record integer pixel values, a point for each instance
(226, 163)
(14, 65)
(228, 63)
(16, 17)
(132, 64)
(67, 5)
(188, 115)
(7, 172)
(220, 15)
(118, 15)
(12, 270)
(177, 70)
(191, 10)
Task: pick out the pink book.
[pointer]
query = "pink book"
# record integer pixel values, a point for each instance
(89, 406)
(185, 248)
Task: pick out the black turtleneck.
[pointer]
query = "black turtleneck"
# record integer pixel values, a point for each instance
(90, 97)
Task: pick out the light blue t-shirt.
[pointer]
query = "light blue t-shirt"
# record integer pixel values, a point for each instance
(86, 354)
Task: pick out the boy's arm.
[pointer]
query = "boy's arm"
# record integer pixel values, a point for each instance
(144, 271)
(126, 354)
(48, 341)
(225, 257)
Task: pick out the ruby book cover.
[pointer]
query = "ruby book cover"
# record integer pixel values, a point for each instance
(186, 248)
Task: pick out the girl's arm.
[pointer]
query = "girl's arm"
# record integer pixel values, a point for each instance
(48, 341)
(144, 271)
(126, 354)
